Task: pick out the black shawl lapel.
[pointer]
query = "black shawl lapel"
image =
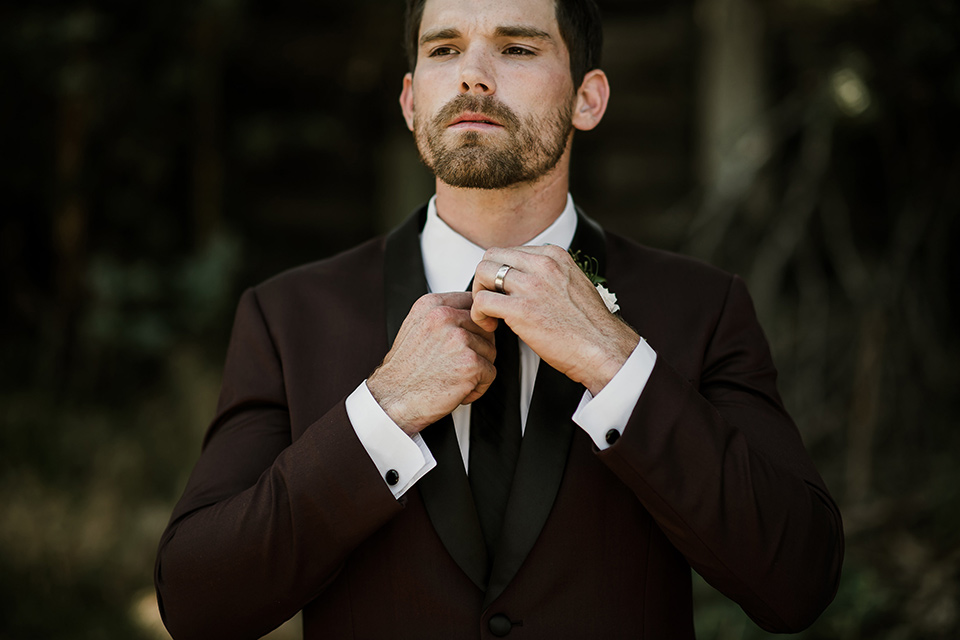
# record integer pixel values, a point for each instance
(445, 490)
(543, 457)
(403, 278)
(545, 447)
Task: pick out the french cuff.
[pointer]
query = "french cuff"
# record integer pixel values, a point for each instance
(605, 416)
(400, 459)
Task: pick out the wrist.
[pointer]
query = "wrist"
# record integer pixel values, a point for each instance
(610, 358)
(391, 401)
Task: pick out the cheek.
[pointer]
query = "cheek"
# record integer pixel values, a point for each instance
(427, 102)
(560, 86)
(540, 92)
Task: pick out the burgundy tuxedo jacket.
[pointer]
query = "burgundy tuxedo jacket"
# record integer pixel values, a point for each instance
(285, 510)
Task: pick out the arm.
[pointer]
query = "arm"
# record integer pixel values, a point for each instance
(717, 462)
(264, 524)
(722, 469)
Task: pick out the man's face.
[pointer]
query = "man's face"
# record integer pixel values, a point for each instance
(491, 99)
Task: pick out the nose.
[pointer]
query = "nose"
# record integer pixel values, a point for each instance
(476, 76)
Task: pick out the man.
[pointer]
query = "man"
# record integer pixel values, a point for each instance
(362, 466)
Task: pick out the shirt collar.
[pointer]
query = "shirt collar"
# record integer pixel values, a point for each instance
(450, 260)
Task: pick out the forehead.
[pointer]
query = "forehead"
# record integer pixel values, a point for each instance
(486, 15)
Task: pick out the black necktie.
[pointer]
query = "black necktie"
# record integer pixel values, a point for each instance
(495, 438)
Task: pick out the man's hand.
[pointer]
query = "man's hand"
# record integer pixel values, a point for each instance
(554, 308)
(440, 360)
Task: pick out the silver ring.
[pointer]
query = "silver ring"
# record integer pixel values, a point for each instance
(501, 274)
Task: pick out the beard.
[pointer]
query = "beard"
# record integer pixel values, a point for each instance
(474, 160)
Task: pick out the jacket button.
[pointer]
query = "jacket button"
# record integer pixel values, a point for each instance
(500, 625)
(612, 436)
(392, 477)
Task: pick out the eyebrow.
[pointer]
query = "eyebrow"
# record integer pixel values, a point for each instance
(522, 31)
(509, 31)
(448, 33)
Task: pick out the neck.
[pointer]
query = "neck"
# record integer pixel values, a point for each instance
(505, 217)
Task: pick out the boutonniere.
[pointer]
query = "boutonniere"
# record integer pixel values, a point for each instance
(591, 268)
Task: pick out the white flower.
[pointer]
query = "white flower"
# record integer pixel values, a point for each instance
(609, 298)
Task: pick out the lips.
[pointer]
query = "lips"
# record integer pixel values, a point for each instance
(470, 118)
(472, 113)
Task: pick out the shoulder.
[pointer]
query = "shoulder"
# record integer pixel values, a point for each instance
(635, 264)
(344, 274)
(681, 305)
(668, 294)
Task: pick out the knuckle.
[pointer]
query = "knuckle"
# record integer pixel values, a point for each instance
(556, 252)
(467, 365)
(471, 359)
(480, 299)
(552, 267)
(544, 262)
(425, 302)
(438, 316)
(459, 337)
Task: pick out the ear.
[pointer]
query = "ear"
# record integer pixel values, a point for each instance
(406, 100)
(591, 101)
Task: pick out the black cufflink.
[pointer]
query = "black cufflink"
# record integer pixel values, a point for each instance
(612, 436)
(392, 477)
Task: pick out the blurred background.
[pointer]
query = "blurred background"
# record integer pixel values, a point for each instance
(159, 157)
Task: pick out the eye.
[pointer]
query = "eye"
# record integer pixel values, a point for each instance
(441, 52)
(515, 50)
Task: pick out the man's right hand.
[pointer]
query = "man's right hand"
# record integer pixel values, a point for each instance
(440, 360)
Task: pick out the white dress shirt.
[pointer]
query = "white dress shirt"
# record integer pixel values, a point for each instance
(450, 261)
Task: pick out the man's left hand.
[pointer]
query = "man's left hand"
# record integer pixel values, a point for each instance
(554, 308)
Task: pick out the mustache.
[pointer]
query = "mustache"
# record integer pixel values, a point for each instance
(484, 105)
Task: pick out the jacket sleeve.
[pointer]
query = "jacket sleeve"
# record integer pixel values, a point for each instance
(722, 469)
(264, 524)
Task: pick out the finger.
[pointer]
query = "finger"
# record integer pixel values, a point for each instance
(548, 263)
(485, 278)
(487, 376)
(486, 322)
(482, 343)
(489, 306)
(440, 310)
(463, 318)
(433, 303)
(529, 258)
(455, 299)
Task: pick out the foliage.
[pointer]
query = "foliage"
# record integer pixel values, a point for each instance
(589, 266)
